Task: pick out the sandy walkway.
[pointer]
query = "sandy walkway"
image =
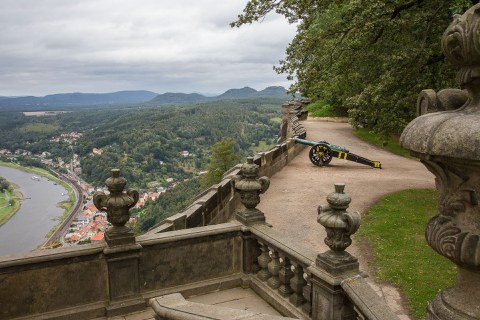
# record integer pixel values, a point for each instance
(295, 192)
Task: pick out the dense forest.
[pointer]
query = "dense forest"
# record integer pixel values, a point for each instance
(173, 201)
(145, 143)
(368, 59)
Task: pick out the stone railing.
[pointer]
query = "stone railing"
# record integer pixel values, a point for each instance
(93, 281)
(285, 275)
(122, 274)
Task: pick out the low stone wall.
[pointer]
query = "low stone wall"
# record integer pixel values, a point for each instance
(59, 279)
(90, 281)
(94, 281)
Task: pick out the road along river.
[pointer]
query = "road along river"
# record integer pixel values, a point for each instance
(38, 213)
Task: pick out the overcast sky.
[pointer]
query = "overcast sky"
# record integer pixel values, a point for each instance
(56, 46)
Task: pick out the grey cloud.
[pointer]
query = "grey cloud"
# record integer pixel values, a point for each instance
(54, 46)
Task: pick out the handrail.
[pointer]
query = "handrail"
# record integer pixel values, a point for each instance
(366, 302)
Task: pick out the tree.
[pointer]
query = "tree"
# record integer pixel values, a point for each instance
(4, 184)
(367, 58)
(222, 158)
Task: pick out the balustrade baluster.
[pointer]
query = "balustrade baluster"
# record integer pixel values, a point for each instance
(285, 274)
(263, 260)
(307, 294)
(297, 283)
(274, 268)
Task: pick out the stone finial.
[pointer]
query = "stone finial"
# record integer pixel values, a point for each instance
(117, 205)
(340, 225)
(250, 186)
(448, 144)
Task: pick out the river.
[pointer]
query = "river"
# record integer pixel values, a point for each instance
(38, 214)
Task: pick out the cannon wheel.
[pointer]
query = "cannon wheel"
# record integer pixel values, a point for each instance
(320, 154)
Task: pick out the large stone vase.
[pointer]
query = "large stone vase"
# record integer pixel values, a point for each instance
(448, 144)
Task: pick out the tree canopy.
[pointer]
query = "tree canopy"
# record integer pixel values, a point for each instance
(223, 157)
(367, 58)
(4, 184)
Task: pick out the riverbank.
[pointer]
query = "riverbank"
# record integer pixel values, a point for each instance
(9, 204)
(66, 205)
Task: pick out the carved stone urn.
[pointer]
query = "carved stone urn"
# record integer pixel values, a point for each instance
(250, 186)
(117, 205)
(448, 144)
(340, 225)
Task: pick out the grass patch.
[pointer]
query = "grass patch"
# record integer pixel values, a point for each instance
(6, 210)
(276, 120)
(391, 144)
(39, 128)
(321, 109)
(394, 229)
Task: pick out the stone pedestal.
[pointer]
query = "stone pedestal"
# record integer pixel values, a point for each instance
(120, 238)
(122, 254)
(448, 144)
(250, 217)
(328, 297)
(337, 264)
(328, 302)
(123, 279)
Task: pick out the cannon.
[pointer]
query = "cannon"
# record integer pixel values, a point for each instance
(323, 152)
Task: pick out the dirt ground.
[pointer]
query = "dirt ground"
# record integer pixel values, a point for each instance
(290, 204)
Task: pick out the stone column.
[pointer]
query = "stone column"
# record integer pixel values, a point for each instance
(122, 253)
(250, 186)
(448, 144)
(328, 298)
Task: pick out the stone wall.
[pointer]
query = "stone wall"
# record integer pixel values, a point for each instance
(91, 281)
(49, 280)
(94, 281)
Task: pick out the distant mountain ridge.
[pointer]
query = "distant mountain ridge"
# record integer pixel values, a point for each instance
(76, 99)
(245, 92)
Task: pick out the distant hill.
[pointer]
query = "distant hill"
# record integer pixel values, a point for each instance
(65, 100)
(179, 98)
(243, 93)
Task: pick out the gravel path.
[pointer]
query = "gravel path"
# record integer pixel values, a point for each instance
(290, 204)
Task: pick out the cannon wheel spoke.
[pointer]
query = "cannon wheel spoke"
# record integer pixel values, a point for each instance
(320, 154)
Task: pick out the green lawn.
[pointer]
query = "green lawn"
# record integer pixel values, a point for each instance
(394, 230)
(321, 109)
(7, 211)
(391, 144)
(39, 128)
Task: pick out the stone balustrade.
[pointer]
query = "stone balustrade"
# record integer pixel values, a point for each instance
(121, 275)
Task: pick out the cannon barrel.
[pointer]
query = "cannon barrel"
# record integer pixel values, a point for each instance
(314, 143)
(305, 142)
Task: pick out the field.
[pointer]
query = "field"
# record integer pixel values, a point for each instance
(6, 210)
(39, 128)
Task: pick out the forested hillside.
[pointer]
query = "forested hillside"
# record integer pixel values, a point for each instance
(149, 145)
